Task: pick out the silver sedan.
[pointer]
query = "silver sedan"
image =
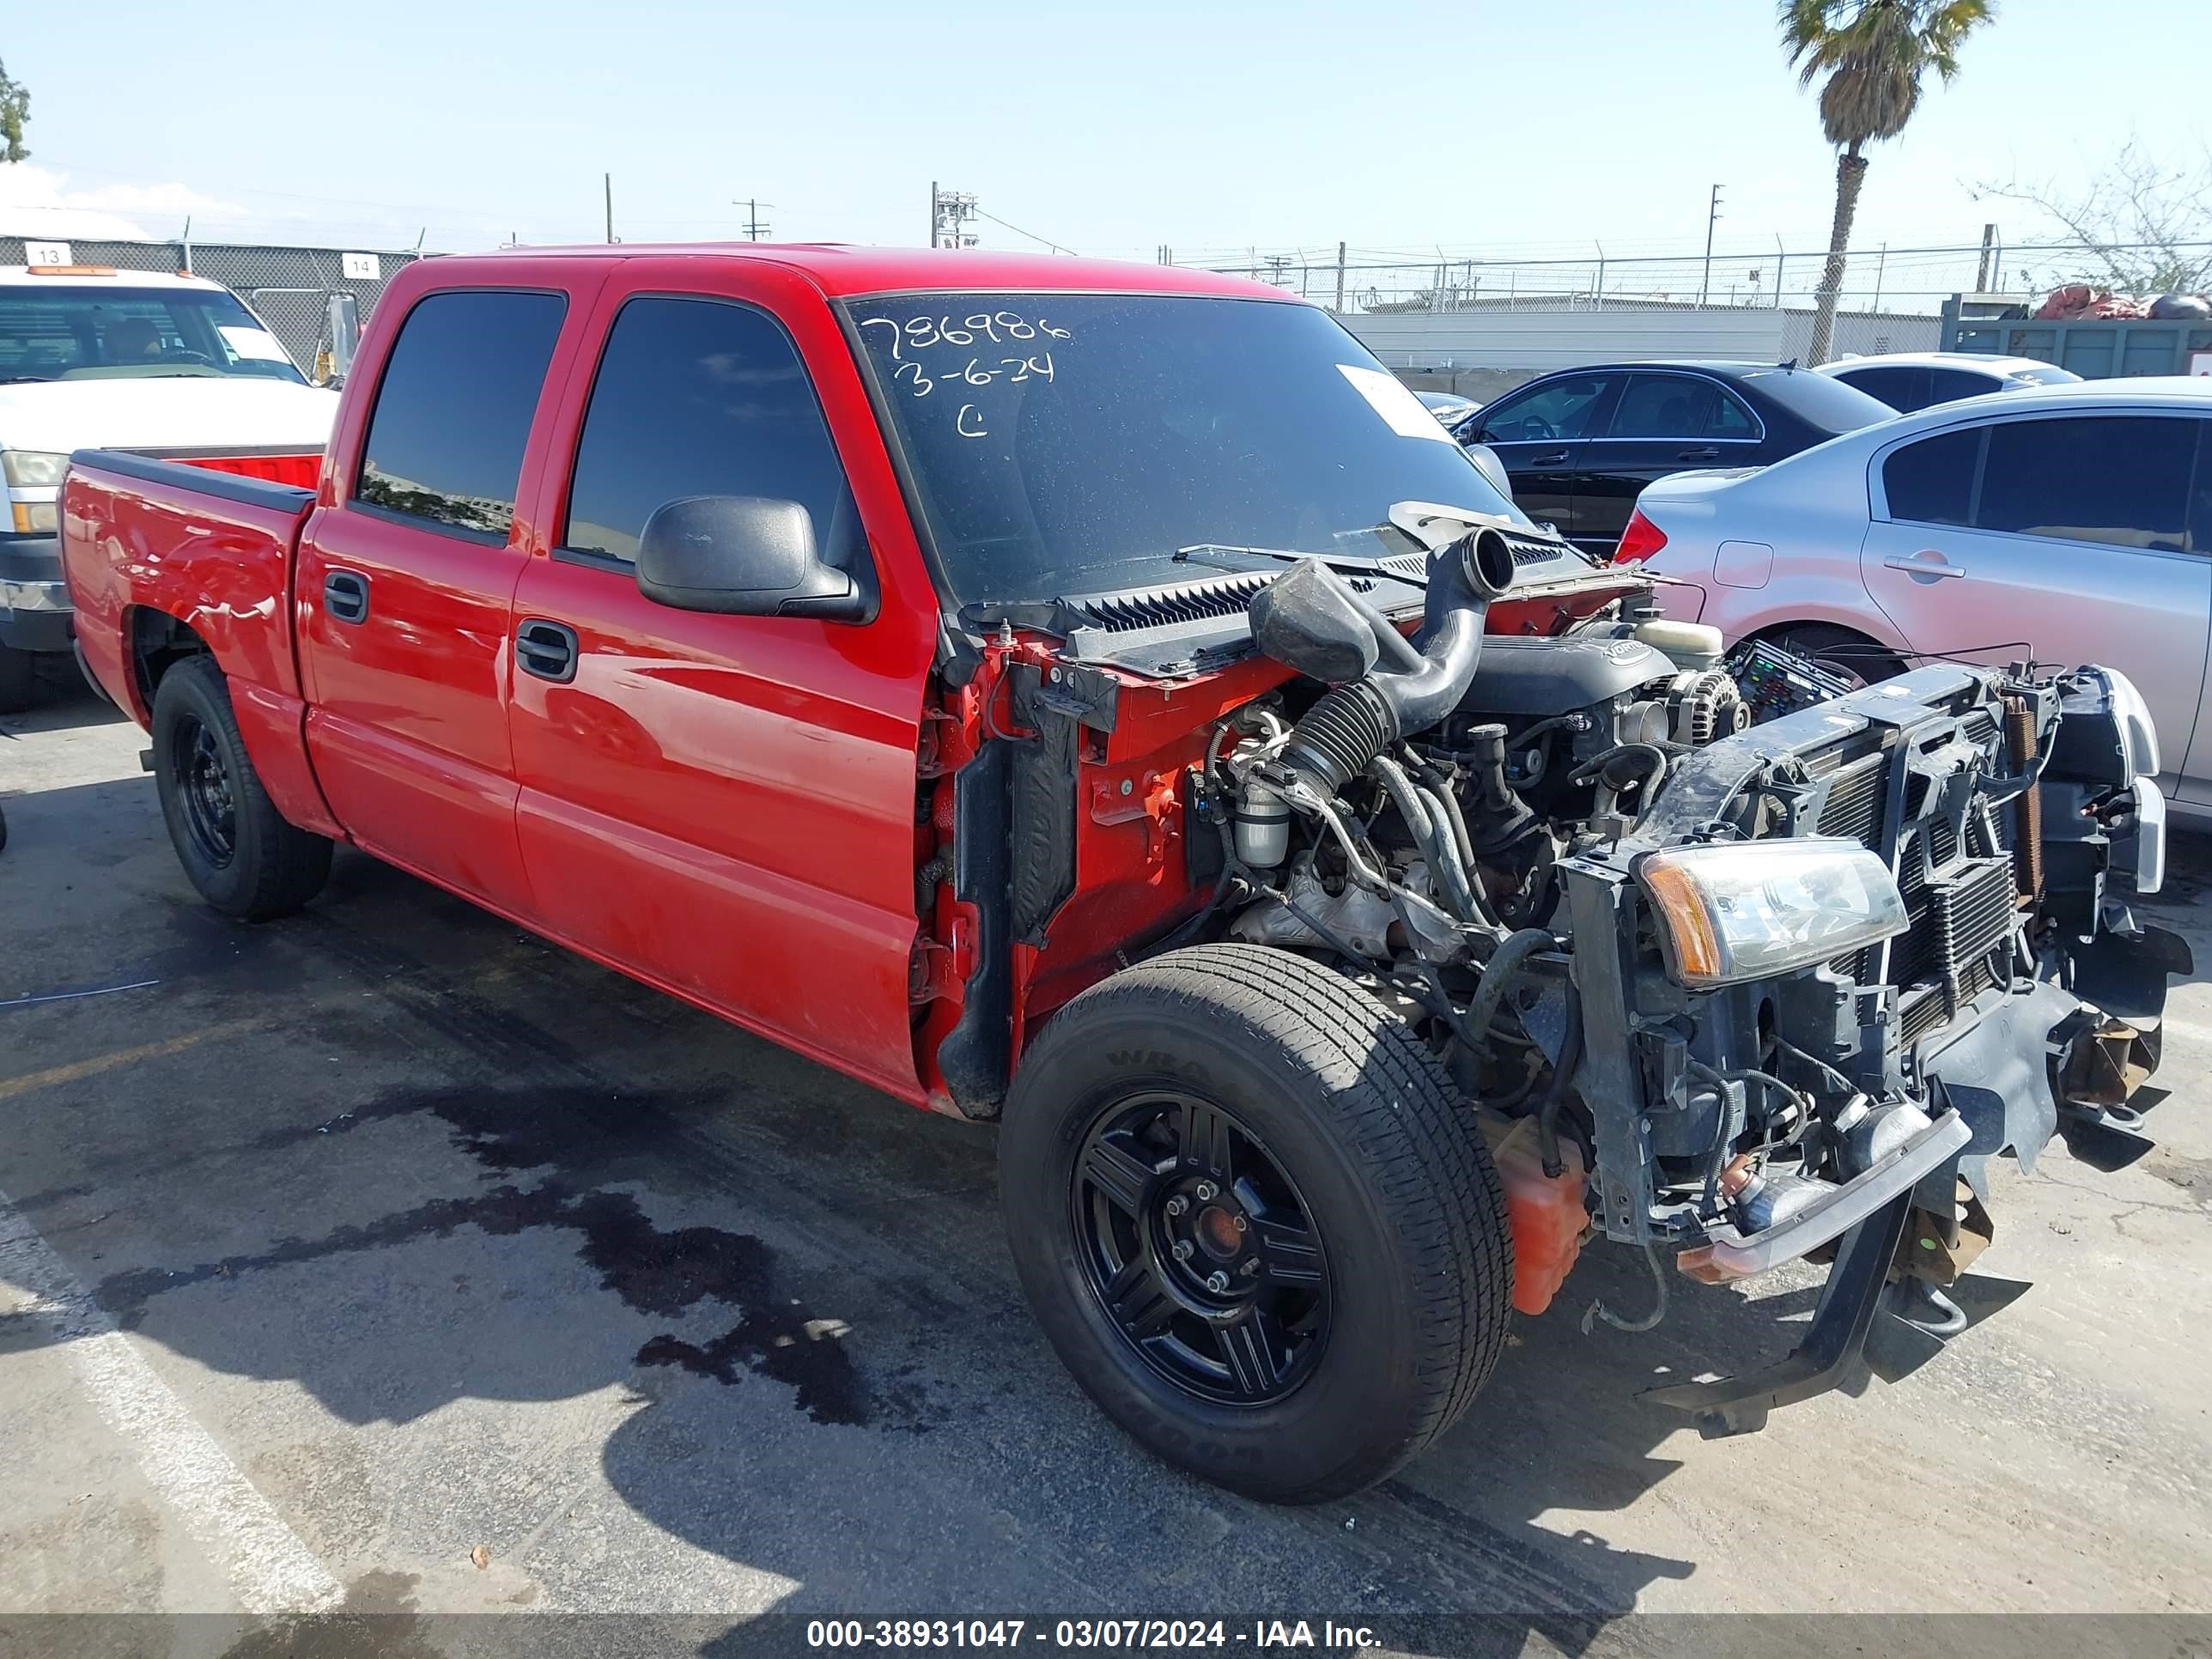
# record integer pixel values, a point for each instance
(2071, 524)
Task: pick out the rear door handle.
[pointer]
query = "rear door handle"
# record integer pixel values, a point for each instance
(1698, 455)
(1551, 459)
(547, 650)
(1930, 564)
(345, 596)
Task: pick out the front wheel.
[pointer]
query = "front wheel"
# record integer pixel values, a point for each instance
(1255, 1221)
(246, 861)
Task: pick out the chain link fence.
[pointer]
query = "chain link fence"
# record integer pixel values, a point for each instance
(289, 288)
(1887, 281)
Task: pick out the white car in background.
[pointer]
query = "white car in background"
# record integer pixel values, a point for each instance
(93, 358)
(2070, 523)
(1909, 381)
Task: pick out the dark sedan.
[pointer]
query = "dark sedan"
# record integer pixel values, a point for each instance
(1580, 444)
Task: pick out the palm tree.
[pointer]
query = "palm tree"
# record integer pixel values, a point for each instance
(1875, 53)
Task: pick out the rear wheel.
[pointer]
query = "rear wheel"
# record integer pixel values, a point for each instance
(18, 679)
(244, 859)
(1255, 1221)
(1851, 656)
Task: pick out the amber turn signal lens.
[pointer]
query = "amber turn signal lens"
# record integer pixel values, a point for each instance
(1681, 909)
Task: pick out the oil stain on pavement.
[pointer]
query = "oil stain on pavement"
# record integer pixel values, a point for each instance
(657, 1271)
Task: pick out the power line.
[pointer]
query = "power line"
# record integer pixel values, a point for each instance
(1018, 230)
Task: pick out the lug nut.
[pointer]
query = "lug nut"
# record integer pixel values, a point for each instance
(1237, 1222)
(1250, 1269)
(1205, 1190)
(1216, 1282)
(1177, 1205)
(1183, 1250)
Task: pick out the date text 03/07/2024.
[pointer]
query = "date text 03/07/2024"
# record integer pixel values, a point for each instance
(1259, 1636)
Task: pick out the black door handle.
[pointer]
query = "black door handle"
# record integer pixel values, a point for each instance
(345, 596)
(1552, 459)
(547, 650)
(1699, 455)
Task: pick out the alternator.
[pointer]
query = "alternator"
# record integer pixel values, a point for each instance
(1703, 708)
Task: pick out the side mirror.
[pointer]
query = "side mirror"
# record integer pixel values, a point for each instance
(742, 555)
(1491, 465)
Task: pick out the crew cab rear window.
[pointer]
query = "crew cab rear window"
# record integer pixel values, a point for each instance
(697, 397)
(454, 410)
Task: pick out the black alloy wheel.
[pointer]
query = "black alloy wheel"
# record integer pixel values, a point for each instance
(235, 847)
(1199, 1248)
(205, 791)
(1255, 1219)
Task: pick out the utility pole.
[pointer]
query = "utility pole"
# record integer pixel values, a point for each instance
(1879, 265)
(754, 229)
(1780, 257)
(1339, 278)
(949, 210)
(1712, 217)
(1982, 273)
(609, 179)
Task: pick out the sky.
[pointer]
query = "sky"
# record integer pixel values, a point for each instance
(1516, 130)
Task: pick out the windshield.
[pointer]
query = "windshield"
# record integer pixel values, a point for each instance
(1072, 443)
(93, 331)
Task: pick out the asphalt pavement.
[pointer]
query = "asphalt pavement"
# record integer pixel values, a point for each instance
(389, 1260)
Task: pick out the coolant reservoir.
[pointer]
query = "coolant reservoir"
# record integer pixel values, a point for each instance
(1691, 645)
(1546, 1212)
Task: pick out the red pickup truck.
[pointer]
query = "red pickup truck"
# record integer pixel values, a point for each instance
(1102, 698)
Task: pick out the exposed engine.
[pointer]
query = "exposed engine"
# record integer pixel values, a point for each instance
(1442, 815)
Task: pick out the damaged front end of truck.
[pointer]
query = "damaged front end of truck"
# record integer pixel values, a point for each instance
(1352, 901)
(1858, 952)
(1732, 964)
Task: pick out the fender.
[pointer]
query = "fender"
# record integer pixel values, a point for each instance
(164, 559)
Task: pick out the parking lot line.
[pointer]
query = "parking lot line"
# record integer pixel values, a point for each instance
(270, 1569)
(77, 1070)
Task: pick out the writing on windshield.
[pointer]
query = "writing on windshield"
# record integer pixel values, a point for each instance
(925, 356)
(1071, 443)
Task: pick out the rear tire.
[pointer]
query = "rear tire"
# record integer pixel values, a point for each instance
(1374, 1305)
(1841, 651)
(244, 859)
(18, 679)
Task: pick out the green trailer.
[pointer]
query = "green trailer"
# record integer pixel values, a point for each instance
(2099, 348)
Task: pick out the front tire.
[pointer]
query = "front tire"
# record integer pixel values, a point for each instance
(244, 859)
(1256, 1220)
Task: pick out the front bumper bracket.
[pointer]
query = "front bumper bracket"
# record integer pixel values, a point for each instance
(1849, 1303)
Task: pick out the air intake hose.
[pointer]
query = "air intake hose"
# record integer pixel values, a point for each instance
(1415, 683)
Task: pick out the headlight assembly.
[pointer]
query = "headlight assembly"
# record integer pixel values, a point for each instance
(28, 468)
(1744, 910)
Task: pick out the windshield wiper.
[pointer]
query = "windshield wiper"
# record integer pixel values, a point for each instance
(1193, 555)
(24, 379)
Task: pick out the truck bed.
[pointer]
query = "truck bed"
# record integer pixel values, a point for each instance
(148, 543)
